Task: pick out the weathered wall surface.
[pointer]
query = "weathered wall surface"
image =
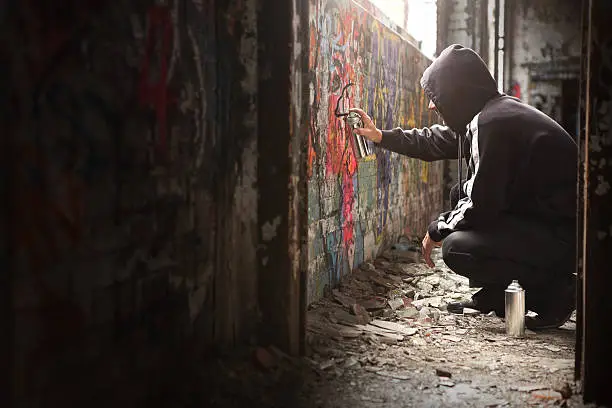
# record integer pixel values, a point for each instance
(355, 206)
(133, 161)
(465, 22)
(546, 51)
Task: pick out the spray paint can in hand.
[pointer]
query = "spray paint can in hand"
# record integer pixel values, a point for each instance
(354, 121)
(515, 310)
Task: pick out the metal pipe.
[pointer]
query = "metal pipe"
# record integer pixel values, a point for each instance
(496, 44)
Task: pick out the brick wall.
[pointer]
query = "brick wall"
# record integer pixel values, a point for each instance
(134, 165)
(356, 206)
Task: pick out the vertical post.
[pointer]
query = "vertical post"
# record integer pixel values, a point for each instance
(281, 29)
(597, 202)
(7, 210)
(474, 18)
(509, 16)
(580, 137)
(496, 43)
(484, 30)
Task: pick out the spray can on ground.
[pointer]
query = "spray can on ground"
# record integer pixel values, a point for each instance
(515, 310)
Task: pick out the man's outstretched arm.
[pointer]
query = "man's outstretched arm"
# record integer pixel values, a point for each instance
(429, 144)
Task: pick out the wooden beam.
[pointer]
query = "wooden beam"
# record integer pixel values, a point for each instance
(282, 57)
(597, 202)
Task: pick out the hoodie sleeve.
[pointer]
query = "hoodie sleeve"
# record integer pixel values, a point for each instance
(429, 144)
(485, 191)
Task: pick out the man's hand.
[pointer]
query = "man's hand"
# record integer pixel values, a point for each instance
(369, 130)
(428, 245)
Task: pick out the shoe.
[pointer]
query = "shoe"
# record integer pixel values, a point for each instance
(546, 322)
(485, 300)
(554, 311)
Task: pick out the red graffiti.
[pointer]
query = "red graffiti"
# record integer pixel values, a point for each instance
(155, 94)
(515, 90)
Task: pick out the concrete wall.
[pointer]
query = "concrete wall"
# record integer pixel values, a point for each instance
(465, 22)
(133, 160)
(546, 50)
(357, 206)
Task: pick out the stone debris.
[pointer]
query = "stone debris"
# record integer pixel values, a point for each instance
(395, 327)
(443, 373)
(528, 387)
(446, 382)
(547, 395)
(387, 323)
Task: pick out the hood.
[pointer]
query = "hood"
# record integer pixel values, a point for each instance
(460, 85)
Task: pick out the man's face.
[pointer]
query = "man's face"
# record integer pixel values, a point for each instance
(432, 107)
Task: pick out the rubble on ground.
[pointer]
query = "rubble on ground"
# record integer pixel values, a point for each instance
(383, 338)
(385, 332)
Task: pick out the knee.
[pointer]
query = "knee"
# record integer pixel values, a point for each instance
(455, 253)
(449, 245)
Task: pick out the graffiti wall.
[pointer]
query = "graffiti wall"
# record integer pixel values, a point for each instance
(133, 190)
(358, 205)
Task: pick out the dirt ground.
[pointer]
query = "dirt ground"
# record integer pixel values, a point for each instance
(385, 339)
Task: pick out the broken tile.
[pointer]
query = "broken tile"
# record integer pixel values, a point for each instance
(440, 372)
(350, 332)
(547, 395)
(435, 301)
(527, 387)
(396, 303)
(351, 362)
(418, 341)
(361, 313)
(408, 313)
(382, 333)
(327, 364)
(343, 299)
(381, 281)
(395, 327)
(374, 303)
(443, 381)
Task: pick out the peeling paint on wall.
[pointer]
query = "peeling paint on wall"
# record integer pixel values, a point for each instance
(356, 206)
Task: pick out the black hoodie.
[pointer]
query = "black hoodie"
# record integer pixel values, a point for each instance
(520, 162)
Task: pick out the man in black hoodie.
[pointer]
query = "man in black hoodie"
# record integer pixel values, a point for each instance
(514, 211)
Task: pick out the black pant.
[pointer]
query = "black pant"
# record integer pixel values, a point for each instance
(540, 256)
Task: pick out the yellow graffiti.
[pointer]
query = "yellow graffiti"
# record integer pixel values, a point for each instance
(422, 103)
(411, 119)
(378, 238)
(370, 157)
(424, 172)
